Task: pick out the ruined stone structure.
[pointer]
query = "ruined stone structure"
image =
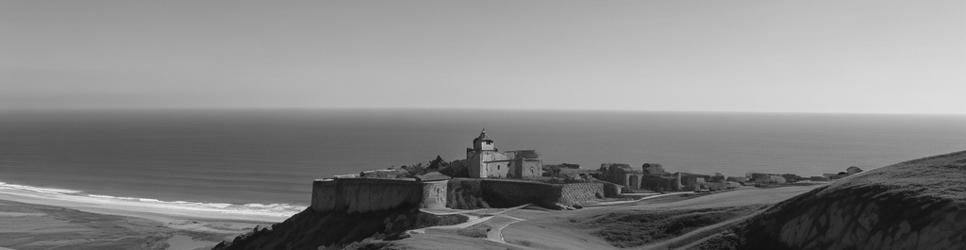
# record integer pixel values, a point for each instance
(662, 183)
(653, 169)
(621, 174)
(486, 161)
(693, 182)
(651, 177)
(765, 178)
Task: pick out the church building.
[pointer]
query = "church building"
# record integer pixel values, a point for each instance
(485, 161)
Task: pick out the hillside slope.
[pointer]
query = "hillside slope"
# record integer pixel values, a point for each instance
(919, 204)
(311, 230)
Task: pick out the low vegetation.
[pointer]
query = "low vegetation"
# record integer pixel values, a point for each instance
(310, 229)
(638, 228)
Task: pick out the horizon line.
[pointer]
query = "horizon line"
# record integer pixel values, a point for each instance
(153, 109)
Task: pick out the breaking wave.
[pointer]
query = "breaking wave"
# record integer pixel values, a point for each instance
(4, 185)
(275, 210)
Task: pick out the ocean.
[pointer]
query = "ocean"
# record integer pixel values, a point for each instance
(265, 160)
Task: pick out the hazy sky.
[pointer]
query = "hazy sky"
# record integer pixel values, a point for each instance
(774, 56)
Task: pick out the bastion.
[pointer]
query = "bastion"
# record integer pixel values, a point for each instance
(362, 195)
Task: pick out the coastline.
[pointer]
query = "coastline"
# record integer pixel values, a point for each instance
(34, 226)
(50, 218)
(146, 207)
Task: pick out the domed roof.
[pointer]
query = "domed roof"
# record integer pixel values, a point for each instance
(482, 137)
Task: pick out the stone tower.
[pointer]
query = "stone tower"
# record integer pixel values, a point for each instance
(483, 143)
(485, 161)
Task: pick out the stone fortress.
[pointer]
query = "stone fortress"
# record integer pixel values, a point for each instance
(362, 195)
(491, 178)
(653, 177)
(489, 173)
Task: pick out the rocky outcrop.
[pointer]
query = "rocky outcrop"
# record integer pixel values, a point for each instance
(919, 204)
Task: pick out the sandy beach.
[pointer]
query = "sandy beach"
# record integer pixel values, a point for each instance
(31, 219)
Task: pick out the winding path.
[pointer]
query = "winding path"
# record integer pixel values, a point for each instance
(513, 228)
(614, 203)
(475, 216)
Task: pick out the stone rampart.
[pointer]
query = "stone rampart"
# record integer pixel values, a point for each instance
(324, 195)
(665, 183)
(611, 190)
(577, 193)
(465, 194)
(477, 193)
(361, 195)
(508, 193)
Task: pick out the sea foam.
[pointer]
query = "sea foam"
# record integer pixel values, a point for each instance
(225, 210)
(4, 185)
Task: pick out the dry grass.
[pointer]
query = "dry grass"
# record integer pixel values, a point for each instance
(937, 176)
(637, 228)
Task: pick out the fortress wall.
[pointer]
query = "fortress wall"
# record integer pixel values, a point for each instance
(323, 195)
(509, 193)
(612, 190)
(463, 193)
(364, 195)
(367, 195)
(482, 193)
(661, 183)
(577, 193)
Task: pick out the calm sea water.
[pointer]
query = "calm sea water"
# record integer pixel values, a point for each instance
(243, 157)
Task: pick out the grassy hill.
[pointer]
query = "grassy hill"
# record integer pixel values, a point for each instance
(918, 204)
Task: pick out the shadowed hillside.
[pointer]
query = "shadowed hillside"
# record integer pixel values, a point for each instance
(919, 204)
(311, 230)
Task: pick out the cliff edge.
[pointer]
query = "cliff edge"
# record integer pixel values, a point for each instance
(919, 204)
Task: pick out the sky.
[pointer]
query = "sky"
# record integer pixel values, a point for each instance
(842, 56)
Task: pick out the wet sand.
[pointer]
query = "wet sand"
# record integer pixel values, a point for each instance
(36, 226)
